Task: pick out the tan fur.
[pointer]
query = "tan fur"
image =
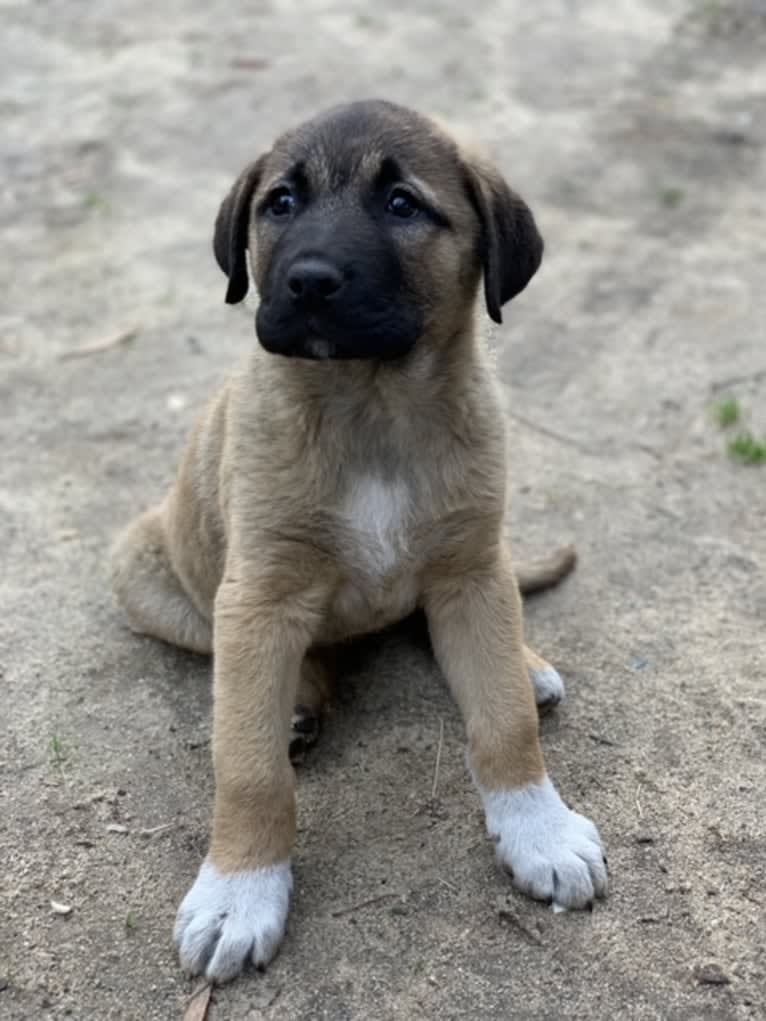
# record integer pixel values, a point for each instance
(257, 551)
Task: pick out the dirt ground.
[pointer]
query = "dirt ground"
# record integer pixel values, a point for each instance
(636, 129)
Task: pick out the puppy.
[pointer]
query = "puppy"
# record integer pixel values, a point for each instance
(354, 471)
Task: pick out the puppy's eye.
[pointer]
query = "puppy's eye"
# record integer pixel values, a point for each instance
(403, 204)
(280, 202)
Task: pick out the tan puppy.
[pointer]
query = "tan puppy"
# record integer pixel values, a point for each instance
(354, 471)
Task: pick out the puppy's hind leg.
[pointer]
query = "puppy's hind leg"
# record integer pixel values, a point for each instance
(314, 692)
(149, 591)
(546, 681)
(534, 576)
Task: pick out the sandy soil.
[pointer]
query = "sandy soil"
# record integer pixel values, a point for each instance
(636, 130)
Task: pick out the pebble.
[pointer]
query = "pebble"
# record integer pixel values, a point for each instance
(711, 975)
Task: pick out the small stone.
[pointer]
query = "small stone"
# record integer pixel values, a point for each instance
(116, 827)
(711, 975)
(60, 909)
(176, 401)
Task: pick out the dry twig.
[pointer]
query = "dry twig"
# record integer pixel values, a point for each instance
(363, 904)
(198, 1003)
(151, 831)
(438, 758)
(99, 346)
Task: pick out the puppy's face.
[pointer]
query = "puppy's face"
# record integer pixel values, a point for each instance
(369, 232)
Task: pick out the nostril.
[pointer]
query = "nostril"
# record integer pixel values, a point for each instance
(295, 283)
(329, 284)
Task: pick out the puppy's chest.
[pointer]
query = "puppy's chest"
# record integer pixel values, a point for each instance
(378, 548)
(377, 521)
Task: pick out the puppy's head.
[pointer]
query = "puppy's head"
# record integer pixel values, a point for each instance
(369, 231)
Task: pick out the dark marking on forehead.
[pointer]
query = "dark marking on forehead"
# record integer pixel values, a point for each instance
(364, 139)
(388, 172)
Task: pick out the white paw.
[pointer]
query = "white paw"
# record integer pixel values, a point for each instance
(553, 853)
(224, 921)
(549, 687)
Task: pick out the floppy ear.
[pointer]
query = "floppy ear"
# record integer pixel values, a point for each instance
(231, 228)
(511, 245)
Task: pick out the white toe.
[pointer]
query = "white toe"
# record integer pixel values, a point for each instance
(227, 919)
(548, 685)
(553, 853)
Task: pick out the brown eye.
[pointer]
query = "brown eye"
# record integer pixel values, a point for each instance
(281, 202)
(402, 204)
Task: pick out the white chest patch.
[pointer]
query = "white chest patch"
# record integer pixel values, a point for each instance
(378, 513)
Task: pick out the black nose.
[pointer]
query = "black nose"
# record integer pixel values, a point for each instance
(314, 280)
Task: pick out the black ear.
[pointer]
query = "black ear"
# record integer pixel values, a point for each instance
(511, 245)
(231, 230)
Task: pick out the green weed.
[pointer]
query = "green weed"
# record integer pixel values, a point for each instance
(747, 449)
(727, 412)
(58, 751)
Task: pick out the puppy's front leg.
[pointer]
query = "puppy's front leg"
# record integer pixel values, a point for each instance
(237, 909)
(475, 622)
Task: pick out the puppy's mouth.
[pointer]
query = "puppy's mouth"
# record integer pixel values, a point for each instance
(384, 337)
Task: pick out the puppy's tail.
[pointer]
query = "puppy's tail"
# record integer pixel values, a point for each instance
(536, 575)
